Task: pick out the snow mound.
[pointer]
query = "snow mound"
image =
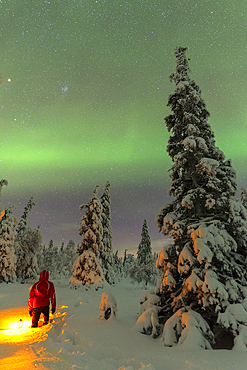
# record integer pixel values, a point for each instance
(188, 330)
(148, 322)
(108, 306)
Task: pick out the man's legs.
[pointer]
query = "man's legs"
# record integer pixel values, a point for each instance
(45, 311)
(35, 316)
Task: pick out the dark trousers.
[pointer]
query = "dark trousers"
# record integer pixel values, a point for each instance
(36, 312)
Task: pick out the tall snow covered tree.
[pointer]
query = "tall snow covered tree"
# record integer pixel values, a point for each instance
(27, 245)
(244, 197)
(21, 227)
(4, 214)
(91, 225)
(203, 290)
(7, 239)
(7, 252)
(106, 255)
(86, 268)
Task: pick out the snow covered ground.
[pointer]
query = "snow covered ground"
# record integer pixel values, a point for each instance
(78, 339)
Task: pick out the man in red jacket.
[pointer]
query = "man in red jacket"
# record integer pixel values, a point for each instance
(39, 299)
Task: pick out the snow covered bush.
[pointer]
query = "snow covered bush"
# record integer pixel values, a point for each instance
(204, 271)
(87, 270)
(108, 306)
(148, 299)
(148, 322)
(188, 330)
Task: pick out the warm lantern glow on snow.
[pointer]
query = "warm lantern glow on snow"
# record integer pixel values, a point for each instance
(15, 329)
(17, 325)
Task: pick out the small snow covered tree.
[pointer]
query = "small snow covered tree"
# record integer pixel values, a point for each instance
(68, 258)
(86, 268)
(203, 271)
(144, 268)
(118, 267)
(106, 256)
(56, 266)
(7, 252)
(129, 263)
(144, 250)
(48, 257)
(40, 258)
(125, 256)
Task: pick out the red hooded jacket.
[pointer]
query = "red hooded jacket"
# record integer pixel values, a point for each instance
(42, 292)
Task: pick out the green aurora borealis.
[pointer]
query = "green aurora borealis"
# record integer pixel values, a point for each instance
(83, 97)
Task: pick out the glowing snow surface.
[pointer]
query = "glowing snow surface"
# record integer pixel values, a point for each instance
(78, 340)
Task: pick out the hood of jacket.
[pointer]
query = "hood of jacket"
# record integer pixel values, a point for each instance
(44, 275)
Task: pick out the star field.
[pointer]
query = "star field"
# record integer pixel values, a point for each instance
(83, 97)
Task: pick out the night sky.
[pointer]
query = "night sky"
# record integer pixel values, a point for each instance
(83, 99)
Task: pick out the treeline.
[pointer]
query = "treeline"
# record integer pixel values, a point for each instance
(23, 256)
(96, 261)
(59, 262)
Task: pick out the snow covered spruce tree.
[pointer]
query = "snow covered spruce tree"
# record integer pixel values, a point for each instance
(7, 251)
(118, 267)
(4, 214)
(106, 255)
(50, 259)
(23, 221)
(144, 268)
(203, 289)
(27, 248)
(86, 268)
(68, 257)
(27, 244)
(244, 197)
(7, 239)
(144, 250)
(129, 263)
